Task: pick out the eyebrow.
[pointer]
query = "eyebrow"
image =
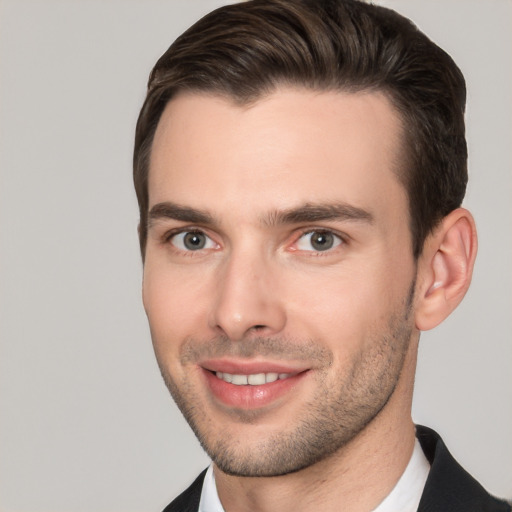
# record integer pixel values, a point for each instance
(168, 210)
(308, 212)
(312, 212)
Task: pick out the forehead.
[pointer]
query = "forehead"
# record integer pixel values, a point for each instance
(290, 147)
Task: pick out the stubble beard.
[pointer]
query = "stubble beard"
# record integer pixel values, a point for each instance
(336, 414)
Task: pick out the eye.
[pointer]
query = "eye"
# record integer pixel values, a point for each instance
(192, 241)
(318, 241)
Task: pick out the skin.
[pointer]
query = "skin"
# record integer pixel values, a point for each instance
(253, 183)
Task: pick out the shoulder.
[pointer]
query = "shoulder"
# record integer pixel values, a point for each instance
(188, 501)
(449, 487)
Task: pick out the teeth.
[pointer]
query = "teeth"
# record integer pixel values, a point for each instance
(239, 380)
(226, 376)
(256, 379)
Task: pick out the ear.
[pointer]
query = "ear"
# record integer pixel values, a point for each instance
(445, 268)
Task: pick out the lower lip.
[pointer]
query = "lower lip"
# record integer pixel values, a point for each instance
(251, 397)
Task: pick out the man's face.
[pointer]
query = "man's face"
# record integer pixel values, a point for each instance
(279, 276)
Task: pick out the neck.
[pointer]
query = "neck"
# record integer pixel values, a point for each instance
(360, 475)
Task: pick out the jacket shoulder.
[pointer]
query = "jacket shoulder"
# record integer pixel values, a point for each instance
(188, 500)
(449, 487)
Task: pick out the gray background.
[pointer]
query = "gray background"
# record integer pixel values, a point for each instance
(85, 421)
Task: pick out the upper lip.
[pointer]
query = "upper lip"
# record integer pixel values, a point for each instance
(251, 367)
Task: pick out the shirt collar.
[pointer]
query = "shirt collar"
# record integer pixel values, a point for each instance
(405, 496)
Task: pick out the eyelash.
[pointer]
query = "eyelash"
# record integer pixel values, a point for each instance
(170, 235)
(341, 240)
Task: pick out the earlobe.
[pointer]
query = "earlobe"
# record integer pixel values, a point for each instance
(446, 267)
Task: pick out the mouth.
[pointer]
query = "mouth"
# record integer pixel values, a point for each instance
(251, 385)
(254, 379)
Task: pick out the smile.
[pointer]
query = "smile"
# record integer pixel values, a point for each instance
(255, 379)
(251, 385)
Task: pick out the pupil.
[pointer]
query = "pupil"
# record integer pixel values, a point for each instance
(194, 241)
(322, 241)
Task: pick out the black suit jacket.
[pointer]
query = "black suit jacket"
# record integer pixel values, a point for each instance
(449, 487)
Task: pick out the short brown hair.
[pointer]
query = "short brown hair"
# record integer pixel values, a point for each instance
(244, 51)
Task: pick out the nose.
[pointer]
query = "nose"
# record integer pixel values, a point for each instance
(247, 301)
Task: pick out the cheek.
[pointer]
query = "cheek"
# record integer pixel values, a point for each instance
(344, 307)
(174, 304)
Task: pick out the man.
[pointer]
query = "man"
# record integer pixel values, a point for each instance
(300, 167)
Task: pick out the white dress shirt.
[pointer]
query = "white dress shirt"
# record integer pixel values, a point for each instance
(405, 496)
